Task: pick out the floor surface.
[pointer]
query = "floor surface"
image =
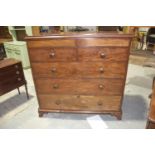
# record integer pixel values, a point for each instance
(18, 112)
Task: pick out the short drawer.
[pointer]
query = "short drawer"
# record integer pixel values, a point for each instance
(10, 74)
(84, 87)
(80, 70)
(81, 103)
(52, 54)
(117, 42)
(51, 43)
(12, 80)
(103, 54)
(11, 84)
(11, 68)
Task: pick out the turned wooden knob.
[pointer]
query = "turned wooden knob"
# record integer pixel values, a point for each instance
(53, 70)
(16, 66)
(17, 72)
(52, 54)
(19, 79)
(102, 55)
(55, 86)
(101, 86)
(101, 70)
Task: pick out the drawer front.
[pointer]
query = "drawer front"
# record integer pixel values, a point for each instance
(117, 42)
(84, 87)
(103, 54)
(52, 43)
(11, 85)
(52, 54)
(80, 70)
(75, 102)
(11, 68)
(11, 73)
(12, 80)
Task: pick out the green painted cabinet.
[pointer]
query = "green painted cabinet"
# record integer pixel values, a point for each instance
(18, 50)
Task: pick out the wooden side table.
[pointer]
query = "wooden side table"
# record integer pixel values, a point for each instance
(11, 76)
(151, 115)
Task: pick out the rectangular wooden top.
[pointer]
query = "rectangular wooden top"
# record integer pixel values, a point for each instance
(8, 62)
(81, 35)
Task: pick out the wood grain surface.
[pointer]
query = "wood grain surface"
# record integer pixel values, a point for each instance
(77, 72)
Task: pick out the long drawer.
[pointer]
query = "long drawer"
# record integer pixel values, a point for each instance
(52, 54)
(80, 70)
(103, 54)
(75, 102)
(84, 87)
(118, 42)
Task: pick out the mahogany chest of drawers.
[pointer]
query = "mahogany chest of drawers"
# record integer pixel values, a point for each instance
(11, 76)
(80, 73)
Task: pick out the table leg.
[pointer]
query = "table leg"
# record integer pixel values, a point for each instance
(18, 90)
(27, 94)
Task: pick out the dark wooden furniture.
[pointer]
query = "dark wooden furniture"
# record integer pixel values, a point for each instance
(80, 73)
(4, 32)
(2, 51)
(151, 115)
(4, 36)
(11, 76)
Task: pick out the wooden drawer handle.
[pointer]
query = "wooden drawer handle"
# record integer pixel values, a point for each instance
(17, 72)
(55, 86)
(101, 86)
(101, 70)
(53, 70)
(102, 55)
(52, 54)
(19, 79)
(16, 66)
